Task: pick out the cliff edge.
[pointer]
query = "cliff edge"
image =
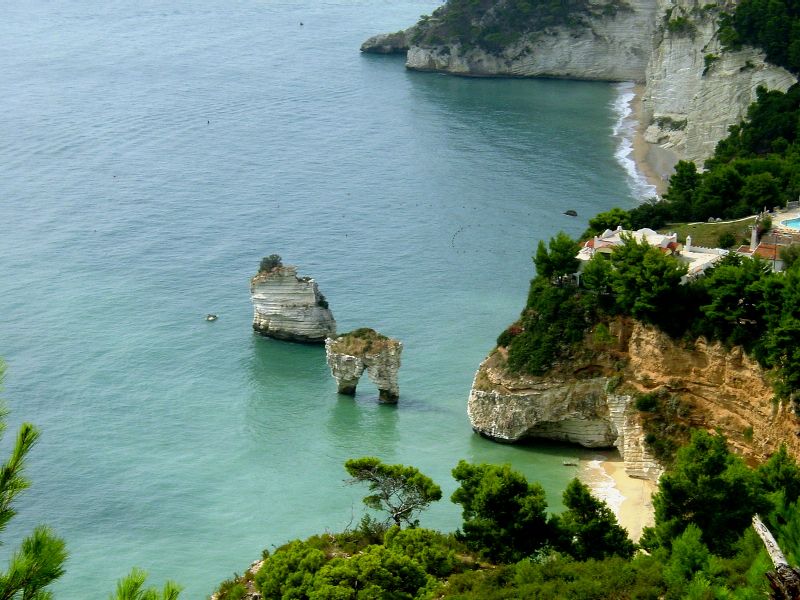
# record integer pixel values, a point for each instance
(694, 89)
(592, 399)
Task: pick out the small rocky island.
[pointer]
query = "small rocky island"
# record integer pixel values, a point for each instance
(365, 349)
(288, 307)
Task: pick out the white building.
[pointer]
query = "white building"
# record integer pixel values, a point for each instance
(697, 258)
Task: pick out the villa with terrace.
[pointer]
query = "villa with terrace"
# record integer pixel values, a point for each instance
(697, 258)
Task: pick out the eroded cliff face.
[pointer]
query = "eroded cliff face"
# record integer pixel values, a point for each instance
(590, 400)
(349, 356)
(288, 307)
(695, 90)
(610, 47)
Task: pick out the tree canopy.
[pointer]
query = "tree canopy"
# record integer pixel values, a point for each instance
(504, 516)
(559, 259)
(40, 558)
(710, 488)
(401, 491)
(591, 528)
(131, 587)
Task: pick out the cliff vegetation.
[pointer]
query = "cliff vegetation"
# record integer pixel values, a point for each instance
(508, 546)
(360, 342)
(772, 25)
(494, 25)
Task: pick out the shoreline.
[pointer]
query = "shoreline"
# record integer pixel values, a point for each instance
(630, 499)
(654, 163)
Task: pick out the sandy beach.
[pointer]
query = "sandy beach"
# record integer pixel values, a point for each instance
(629, 498)
(653, 162)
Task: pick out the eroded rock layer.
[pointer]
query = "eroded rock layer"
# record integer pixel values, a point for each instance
(288, 307)
(591, 400)
(694, 89)
(350, 355)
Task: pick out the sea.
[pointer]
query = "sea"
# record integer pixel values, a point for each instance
(150, 154)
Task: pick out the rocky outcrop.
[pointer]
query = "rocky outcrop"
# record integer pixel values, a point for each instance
(351, 354)
(608, 43)
(590, 400)
(583, 411)
(387, 43)
(288, 307)
(695, 89)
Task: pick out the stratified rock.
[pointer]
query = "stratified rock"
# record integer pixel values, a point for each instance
(695, 89)
(288, 307)
(351, 354)
(511, 408)
(387, 43)
(590, 399)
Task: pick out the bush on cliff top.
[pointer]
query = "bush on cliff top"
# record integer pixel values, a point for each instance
(361, 341)
(494, 25)
(268, 263)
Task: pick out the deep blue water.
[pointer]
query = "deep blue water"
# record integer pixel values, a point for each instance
(150, 155)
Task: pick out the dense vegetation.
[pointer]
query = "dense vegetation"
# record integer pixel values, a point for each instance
(738, 302)
(772, 25)
(494, 25)
(509, 547)
(268, 263)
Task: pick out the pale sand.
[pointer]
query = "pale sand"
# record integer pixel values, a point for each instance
(652, 161)
(629, 498)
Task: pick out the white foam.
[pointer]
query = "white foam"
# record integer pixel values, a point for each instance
(624, 129)
(604, 487)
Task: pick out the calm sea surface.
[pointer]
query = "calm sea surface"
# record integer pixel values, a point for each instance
(150, 154)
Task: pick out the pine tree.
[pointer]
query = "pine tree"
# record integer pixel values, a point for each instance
(40, 558)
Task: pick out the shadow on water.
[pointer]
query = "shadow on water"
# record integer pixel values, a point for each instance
(361, 426)
(289, 384)
(292, 394)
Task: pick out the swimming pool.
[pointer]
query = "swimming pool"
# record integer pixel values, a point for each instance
(792, 223)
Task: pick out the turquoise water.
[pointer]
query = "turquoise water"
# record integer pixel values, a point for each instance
(151, 154)
(791, 223)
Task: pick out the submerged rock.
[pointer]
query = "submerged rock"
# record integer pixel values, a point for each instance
(288, 307)
(351, 354)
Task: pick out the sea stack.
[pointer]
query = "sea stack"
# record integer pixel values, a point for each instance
(288, 307)
(365, 349)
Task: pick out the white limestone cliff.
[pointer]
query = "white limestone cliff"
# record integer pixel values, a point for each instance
(362, 350)
(288, 307)
(609, 47)
(694, 90)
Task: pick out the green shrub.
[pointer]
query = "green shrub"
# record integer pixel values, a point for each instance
(376, 573)
(290, 571)
(726, 240)
(431, 549)
(647, 402)
(268, 263)
(681, 26)
(709, 60)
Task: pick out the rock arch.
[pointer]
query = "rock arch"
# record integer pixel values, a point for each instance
(365, 349)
